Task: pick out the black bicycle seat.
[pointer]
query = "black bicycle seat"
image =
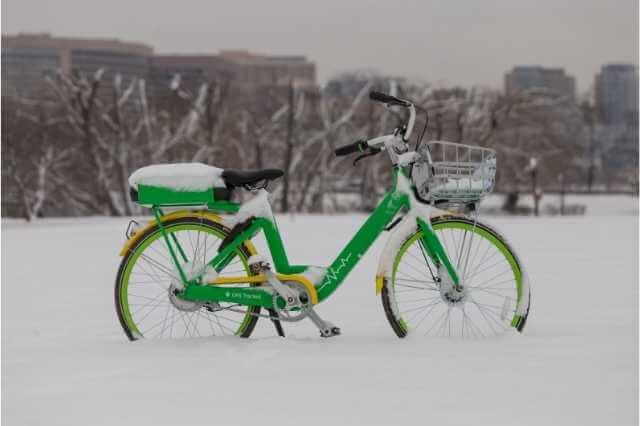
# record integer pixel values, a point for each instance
(249, 177)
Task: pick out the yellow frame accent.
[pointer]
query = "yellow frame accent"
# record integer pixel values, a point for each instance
(177, 215)
(379, 283)
(261, 278)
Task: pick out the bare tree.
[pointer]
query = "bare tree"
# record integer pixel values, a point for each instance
(31, 158)
(536, 124)
(316, 146)
(288, 151)
(79, 97)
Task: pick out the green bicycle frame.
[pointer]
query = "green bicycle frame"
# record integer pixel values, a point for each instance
(393, 202)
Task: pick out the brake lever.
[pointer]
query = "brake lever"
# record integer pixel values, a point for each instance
(372, 151)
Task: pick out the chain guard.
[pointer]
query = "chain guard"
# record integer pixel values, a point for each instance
(304, 300)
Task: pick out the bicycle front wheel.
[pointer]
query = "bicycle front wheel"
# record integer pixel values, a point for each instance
(144, 292)
(417, 300)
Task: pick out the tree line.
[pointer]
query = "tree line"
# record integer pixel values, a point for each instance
(70, 153)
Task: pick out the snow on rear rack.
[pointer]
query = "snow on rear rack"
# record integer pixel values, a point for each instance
(183, 184)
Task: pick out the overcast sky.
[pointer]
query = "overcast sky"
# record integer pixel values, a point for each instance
(452, 42)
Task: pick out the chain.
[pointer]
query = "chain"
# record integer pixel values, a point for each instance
(271, 317)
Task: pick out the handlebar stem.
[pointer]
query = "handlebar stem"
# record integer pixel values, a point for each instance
(412, 120)
(395, 146)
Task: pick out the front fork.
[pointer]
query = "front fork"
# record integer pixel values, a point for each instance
(436, 252)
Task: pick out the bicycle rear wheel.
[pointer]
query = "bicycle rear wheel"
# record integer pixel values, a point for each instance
(417, 300)
(145, 302)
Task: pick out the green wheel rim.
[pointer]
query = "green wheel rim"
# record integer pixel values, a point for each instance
(477, 229)
(123, 293)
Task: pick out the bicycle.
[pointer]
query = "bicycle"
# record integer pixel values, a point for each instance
(191, 272)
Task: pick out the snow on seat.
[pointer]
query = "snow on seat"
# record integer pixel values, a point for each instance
(178, 177)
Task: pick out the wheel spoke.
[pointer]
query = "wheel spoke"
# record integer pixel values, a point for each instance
(417, 287)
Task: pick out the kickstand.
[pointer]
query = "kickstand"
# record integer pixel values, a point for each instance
(275, 319)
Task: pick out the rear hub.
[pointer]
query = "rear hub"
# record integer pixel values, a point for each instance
(181, 304)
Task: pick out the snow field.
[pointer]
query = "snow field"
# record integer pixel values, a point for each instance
(67, 362)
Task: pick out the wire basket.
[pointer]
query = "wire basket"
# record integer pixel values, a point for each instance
(454, 172)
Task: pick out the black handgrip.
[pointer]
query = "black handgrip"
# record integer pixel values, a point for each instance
(387, 99)
(380, 97)
(357, 146)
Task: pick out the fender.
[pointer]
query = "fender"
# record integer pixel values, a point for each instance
(407, 226)
(177, 215)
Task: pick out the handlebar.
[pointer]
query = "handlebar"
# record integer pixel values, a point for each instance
(388, 99)
(392, 100)
(357, 146)
(396, 143)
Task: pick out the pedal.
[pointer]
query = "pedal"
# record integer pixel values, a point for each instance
(333, 331)
(326, 328)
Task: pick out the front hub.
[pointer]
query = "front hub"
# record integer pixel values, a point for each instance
(452, 294)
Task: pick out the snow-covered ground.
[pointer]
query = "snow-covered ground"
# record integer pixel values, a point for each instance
(596, 205)
(65, 360)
